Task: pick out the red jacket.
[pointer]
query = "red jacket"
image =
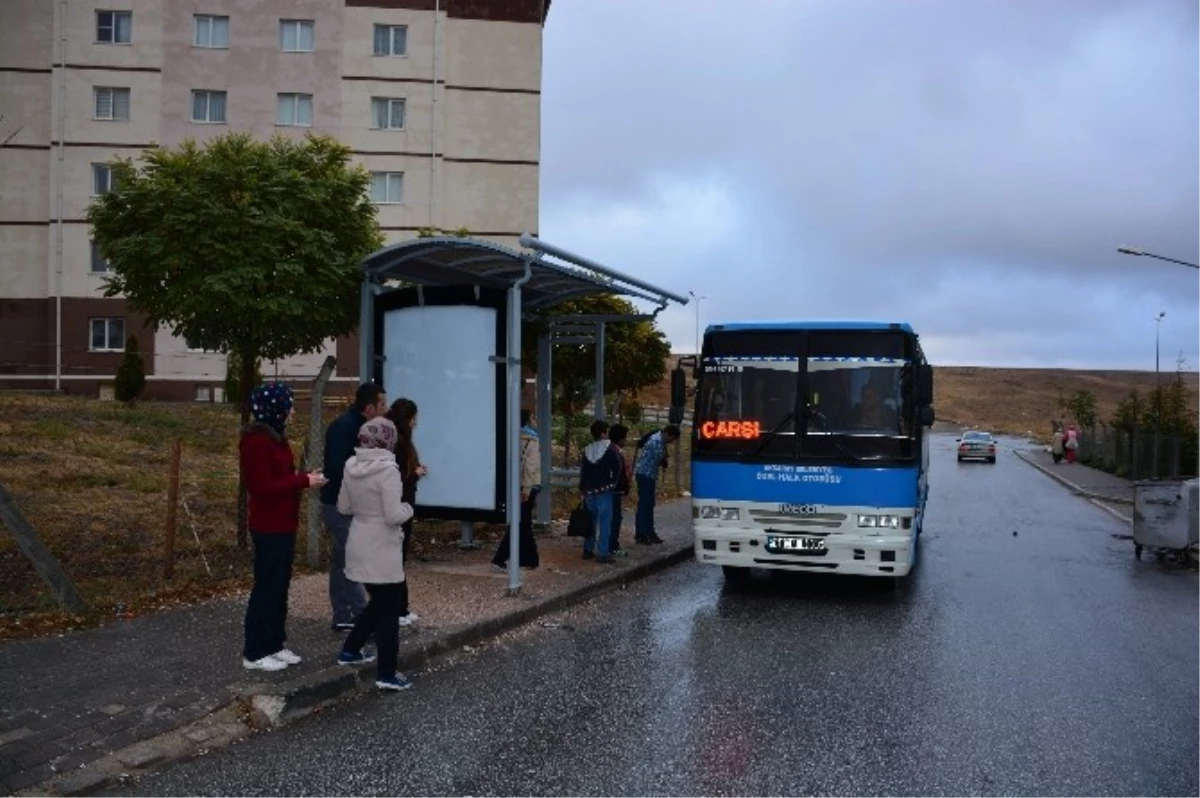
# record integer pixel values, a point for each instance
(271, 480)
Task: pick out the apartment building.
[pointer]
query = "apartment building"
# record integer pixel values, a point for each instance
(439, 99)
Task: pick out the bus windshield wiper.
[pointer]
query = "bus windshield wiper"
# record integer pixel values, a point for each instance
(816, 414)
(764, 440)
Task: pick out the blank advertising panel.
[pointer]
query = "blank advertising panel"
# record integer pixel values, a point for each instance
(440, 356)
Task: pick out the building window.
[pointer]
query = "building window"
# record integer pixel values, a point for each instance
(108, 335)
(387, 113)
(296, 35)
(111, 104)
(387, 188)
(99, 264)
(114, 27)
(103, 180)
(212, 32)
(391, 40)
(295, 110)
(208, 106)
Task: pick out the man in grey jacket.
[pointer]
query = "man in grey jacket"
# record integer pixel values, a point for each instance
(346, 597)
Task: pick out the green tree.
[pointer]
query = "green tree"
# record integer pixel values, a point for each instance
(1082, 407)
(233, 379)
(635, 355)
(245, 247)
(241, 246)
(1130, 412)
(131, 373)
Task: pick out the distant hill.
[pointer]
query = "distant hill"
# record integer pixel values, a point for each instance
(1017, 401)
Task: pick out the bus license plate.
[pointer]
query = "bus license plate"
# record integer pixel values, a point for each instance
(794, 544)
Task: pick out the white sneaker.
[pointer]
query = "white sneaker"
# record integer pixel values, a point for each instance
(287, 657)
(410, 619)
(267, 663)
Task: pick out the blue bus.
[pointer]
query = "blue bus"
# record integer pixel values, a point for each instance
(810, 447)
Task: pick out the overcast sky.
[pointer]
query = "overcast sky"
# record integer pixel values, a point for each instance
(970, 167)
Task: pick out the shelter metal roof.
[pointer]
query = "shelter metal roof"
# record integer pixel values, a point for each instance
(450, 261)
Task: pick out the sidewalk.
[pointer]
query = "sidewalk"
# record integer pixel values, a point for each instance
(1083, 479)
(81, 710)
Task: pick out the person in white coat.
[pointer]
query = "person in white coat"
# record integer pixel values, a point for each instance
(371, 492)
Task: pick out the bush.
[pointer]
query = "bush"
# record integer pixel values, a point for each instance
(633, 411)
(131, 374)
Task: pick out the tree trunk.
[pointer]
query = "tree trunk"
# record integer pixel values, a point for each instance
(247, 384)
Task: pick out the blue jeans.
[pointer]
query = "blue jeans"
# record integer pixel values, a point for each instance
(600, 505)
(644, 521)
(346, 598)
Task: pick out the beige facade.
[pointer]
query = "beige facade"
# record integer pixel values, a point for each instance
(461, 80)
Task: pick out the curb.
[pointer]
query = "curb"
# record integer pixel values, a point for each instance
(268, 706)
(273, 705)
(1077, 489)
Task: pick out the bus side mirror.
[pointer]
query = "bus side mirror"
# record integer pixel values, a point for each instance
(925, 385)
(925, 415)
(678, 387)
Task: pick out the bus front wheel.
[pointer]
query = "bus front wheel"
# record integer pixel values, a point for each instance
(734, 573)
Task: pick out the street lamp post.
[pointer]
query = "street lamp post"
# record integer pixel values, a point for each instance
(1143, 254)
(1158, 397)
(697, 299)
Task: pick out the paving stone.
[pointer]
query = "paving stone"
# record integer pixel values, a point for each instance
(79, 782)
(29, 777)
(16, 734)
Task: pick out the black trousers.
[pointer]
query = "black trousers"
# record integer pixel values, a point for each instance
(529, 552)
(266, 613)
(380, 619)
(407, 526)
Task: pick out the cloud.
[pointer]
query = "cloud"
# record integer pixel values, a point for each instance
(971, 167)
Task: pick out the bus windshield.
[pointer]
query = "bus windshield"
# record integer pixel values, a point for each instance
(841, 395)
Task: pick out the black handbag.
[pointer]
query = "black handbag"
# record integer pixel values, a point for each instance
(580, 523)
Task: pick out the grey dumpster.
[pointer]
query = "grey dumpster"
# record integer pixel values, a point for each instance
(1165, 516)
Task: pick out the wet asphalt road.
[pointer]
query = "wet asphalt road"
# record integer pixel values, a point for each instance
(1046, 663)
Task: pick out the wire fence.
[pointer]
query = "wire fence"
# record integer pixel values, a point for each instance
(1139, 454)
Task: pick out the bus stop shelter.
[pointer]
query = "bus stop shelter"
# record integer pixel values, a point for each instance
(532, 281)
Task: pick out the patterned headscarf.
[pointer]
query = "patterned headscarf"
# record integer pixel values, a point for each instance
(271, 404)
(378, 433)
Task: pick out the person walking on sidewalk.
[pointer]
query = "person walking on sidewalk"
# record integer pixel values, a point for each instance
(346, 598)
(1071, 443)
(531, 476)
(599, 471)
(1056, 444)
(618, 435)
(372, 492)
(650, 460)
(403, 414)
(273, 486)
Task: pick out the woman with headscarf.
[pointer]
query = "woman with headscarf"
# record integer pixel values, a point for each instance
(373, 493)
(274, 486)
(403, 413)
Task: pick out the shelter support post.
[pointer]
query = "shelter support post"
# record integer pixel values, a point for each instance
(366, 333)
(598, 409)
(512, 361)
(545, 429)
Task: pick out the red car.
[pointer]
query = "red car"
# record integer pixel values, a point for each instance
(976, 445)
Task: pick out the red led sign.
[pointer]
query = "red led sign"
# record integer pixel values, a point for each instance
(721, 430)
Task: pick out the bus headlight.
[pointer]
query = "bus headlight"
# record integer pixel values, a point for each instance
(879, 521)
(711, 512)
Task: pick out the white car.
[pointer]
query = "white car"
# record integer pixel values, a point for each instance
(977, 445)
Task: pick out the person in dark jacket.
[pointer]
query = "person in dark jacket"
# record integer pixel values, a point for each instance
(599, 472)
(346, 597)
(403, 414)
(274, 487)
(618, 435)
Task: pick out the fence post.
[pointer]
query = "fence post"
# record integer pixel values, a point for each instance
(316, 456)
(43, 561)
(172, 509)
